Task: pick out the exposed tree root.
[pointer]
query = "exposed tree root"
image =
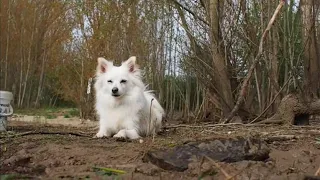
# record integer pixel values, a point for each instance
(294, 110)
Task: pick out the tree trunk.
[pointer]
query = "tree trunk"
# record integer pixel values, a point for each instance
(311, 54)
(222, 80)
(21, 69)
(274, 70)
(37, 104)
(7, 48)
(28, 60)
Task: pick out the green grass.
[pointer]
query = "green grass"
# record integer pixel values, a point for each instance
(37, 112)
(74, 112)
(50, 116)
(102, 171)
(67, 116)
(49, 113)
(13, 176)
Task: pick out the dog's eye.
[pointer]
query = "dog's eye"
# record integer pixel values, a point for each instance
(123, 81)
(109, 81)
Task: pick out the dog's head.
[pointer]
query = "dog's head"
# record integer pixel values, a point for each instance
(118, 80)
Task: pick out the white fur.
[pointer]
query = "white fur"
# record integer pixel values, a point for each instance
(128, 114)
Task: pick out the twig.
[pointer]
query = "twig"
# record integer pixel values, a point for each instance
(200, 165)
(239, 172)
(271, 121)
(228, 177)
(246, 81)
(210, 125)
(220, 168)
(265, 110)
(45, 133)
(283, 137)
(317, 172)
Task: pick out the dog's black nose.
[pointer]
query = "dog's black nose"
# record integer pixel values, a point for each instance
(115, 90)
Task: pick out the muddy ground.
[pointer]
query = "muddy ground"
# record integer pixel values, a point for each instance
(52, 151)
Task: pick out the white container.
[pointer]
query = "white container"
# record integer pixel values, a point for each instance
(5, 108)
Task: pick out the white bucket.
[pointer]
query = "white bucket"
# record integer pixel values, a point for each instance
(5, 108)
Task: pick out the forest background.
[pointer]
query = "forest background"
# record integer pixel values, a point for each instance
(195, 54)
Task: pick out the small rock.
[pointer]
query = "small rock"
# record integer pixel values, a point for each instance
(148, 169)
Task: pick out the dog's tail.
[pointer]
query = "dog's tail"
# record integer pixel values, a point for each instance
(154, 103)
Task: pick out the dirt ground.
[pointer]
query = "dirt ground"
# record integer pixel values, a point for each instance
(52, 151)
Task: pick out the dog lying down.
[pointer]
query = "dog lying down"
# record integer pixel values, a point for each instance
(125, 108)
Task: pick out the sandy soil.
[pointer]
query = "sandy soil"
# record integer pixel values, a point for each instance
(67, 150)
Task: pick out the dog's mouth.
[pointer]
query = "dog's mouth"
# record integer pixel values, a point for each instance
(115, 95)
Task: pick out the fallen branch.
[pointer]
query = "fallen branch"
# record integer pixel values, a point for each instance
(44, 133)
(246, 81)
(271, 121)
(280, 138)
(210, 125)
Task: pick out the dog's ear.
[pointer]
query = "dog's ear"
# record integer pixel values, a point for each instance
(131, 63)
(103, 65)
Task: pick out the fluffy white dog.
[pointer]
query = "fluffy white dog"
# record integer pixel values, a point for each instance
(125, 108)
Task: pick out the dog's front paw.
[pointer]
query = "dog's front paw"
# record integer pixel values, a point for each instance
(100, 135)
(120, 137)
(121, 134)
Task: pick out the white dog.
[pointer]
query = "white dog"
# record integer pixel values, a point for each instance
(125, 108)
